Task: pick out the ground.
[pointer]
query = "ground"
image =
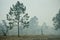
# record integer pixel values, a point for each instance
(37, 37)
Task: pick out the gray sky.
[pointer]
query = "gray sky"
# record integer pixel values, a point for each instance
(45, 10)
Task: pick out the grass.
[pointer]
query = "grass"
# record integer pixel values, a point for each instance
(31, 37)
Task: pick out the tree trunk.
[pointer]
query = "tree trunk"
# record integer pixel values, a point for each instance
(5, 34)
(41, 31)
(18, 27)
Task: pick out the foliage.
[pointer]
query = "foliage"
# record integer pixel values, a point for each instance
(56, 20)
(17, 16)
(4, 28)
(33, 22)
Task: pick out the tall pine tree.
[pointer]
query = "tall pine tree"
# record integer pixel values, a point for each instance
(17, 16)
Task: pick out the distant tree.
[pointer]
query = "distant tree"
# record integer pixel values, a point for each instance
(43, 27)
(17, 16)
(56, 21)
(33, 24)
(4, 28)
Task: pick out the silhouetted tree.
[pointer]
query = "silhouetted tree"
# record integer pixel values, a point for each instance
(17, 16)
(57, 21)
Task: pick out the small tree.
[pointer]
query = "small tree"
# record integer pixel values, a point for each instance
(17, 16)
(57, 21)
(43, 27)
(4, 28)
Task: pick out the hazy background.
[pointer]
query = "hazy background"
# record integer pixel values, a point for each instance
(45, 10)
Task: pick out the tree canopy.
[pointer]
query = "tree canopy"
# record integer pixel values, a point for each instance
(17, 16)
(56, 20)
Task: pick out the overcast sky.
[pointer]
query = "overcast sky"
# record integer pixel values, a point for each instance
(45, 10)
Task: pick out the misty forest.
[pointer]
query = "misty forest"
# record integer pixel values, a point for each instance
(18, 22)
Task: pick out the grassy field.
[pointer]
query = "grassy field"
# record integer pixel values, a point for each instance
(37, 37)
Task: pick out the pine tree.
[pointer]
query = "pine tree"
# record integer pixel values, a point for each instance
(57, 21)
(17, 16)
